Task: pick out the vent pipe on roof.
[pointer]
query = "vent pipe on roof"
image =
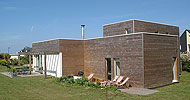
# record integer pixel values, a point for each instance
(82, 26)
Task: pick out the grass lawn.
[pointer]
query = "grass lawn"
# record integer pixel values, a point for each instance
(38, 88)
(3, 68)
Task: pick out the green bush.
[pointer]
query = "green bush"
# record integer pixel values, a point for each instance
(185, 64)
(6, 56)
(82, 82)
(14, 61)
(13, 70)
(186, 67)
(1, 56)
(70, 81)
(113, 88)
(4, 62)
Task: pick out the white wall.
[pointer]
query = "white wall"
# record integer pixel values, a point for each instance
(53, 64)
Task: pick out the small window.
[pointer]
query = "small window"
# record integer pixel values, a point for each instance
(128, 30)
(156, 32)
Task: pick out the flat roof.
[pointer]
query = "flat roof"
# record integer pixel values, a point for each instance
(107, 36)
(141, 21)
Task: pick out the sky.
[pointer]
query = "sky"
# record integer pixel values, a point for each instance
(25, 21)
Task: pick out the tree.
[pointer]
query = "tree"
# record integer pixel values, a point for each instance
(7, 56)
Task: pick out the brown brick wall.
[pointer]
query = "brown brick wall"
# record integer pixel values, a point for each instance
(139, 26)
(73, 56)
(158, 53)
(46, 46)
(128, 48)
(117, 28)
(142, 26)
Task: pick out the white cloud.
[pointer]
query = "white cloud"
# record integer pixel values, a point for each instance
(31, 29)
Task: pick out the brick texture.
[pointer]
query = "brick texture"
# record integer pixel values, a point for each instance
(73, 56)
(128, 48)
(46, 46)
(158, 53)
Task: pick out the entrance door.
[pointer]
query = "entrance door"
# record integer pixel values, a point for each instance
(175, 70)
(108, 68)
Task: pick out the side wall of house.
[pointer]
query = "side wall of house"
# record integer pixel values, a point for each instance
(128, 48)
(183, 42)
(73, 56)
(159, 51)
(117, 28)
(46, 46)
(142, 26)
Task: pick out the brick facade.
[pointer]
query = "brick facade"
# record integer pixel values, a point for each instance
(128, 48)
(145, 56)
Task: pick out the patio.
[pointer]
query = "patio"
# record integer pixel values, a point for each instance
(139, 91)
(21, 75)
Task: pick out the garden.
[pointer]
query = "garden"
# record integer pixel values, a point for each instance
(12, 65)
(65, 88)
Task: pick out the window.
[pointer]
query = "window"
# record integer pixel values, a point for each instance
(128, 30)
(117, 66)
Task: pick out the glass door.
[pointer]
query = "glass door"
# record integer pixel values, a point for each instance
(117, 66)
(108, 68)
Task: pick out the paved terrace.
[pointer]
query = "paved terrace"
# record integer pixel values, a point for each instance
(139, 91)
(21, 75)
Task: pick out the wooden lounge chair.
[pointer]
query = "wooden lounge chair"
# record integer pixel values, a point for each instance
(123, 83)
(118, 80)
(90, 76)
(114, 80)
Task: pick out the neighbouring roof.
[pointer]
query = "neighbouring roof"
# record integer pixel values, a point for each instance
(188, 30)
(26, 49)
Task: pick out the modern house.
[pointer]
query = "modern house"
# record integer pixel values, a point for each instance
(146, 52)
(185, 42)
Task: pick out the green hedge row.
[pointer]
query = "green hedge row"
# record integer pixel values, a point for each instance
(82, 82)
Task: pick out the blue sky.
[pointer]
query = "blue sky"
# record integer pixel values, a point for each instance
(25, 21)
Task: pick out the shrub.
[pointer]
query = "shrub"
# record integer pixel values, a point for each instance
(185, 64)
(1, 56)
(70, 81)
(14, 61)
(4, 62)
(113, 88)
(6, 56)
(13, 70)
(81, 81)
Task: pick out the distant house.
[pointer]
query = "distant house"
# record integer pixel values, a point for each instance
(15, 56)
(26, 49)
(146, 52)
(185, 42)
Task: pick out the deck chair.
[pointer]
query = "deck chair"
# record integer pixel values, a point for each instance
(114, 80)
(123, 83)
(119, 80)
(90, 76)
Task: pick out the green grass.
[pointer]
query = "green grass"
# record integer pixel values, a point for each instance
(38, 88)
(3, 68)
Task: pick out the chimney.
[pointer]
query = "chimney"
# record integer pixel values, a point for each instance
(82, 26)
